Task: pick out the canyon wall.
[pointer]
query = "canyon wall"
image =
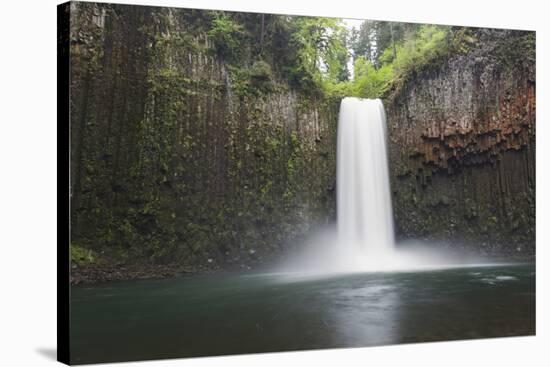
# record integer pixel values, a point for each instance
(179, 156)
(192, 144)
(462, 147)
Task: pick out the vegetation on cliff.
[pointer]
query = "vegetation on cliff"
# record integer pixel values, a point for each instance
(462, 147)
(208, 138)
(194, 137)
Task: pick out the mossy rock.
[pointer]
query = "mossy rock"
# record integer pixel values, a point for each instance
(80, 255)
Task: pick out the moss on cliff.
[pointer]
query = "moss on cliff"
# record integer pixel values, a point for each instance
(187, 148)
(462, 147)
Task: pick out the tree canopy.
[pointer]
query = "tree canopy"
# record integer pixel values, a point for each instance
(322, 55)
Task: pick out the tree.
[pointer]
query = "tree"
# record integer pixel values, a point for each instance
(374, 37)
(321, 52)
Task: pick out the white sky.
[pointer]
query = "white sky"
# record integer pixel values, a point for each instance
(352, 23)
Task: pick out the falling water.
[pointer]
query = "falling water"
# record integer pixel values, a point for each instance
(364, 240)
(365, 221)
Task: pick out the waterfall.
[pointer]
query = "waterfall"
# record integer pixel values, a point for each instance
(364, 237)
(364, 209)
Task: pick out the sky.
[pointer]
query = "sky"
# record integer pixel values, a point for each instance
(351, 23)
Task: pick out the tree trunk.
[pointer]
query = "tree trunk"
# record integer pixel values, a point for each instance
(393, 41)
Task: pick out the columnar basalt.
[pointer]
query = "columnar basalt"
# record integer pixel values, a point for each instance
(462, 147)
(179, 156)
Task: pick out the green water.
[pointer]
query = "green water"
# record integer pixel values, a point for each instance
(242, 313)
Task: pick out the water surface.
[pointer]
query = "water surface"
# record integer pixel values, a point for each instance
(248, 313)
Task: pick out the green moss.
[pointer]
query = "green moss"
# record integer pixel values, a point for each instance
(252, 82)
(80, 255)
(175, 168)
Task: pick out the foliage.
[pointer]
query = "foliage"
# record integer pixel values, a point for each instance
(426, 45)
(315, 53)
(377, 71)
(261, 75)
(80, 255)
(370, 82)
(225, 33)
(320, 49)
(374, 37)
(252, 81)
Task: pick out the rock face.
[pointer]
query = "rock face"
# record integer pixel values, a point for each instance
(182, 152)
(462, 147)
(177, 156)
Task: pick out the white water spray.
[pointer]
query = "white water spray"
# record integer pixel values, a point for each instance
(364, 240)
(365, 220)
